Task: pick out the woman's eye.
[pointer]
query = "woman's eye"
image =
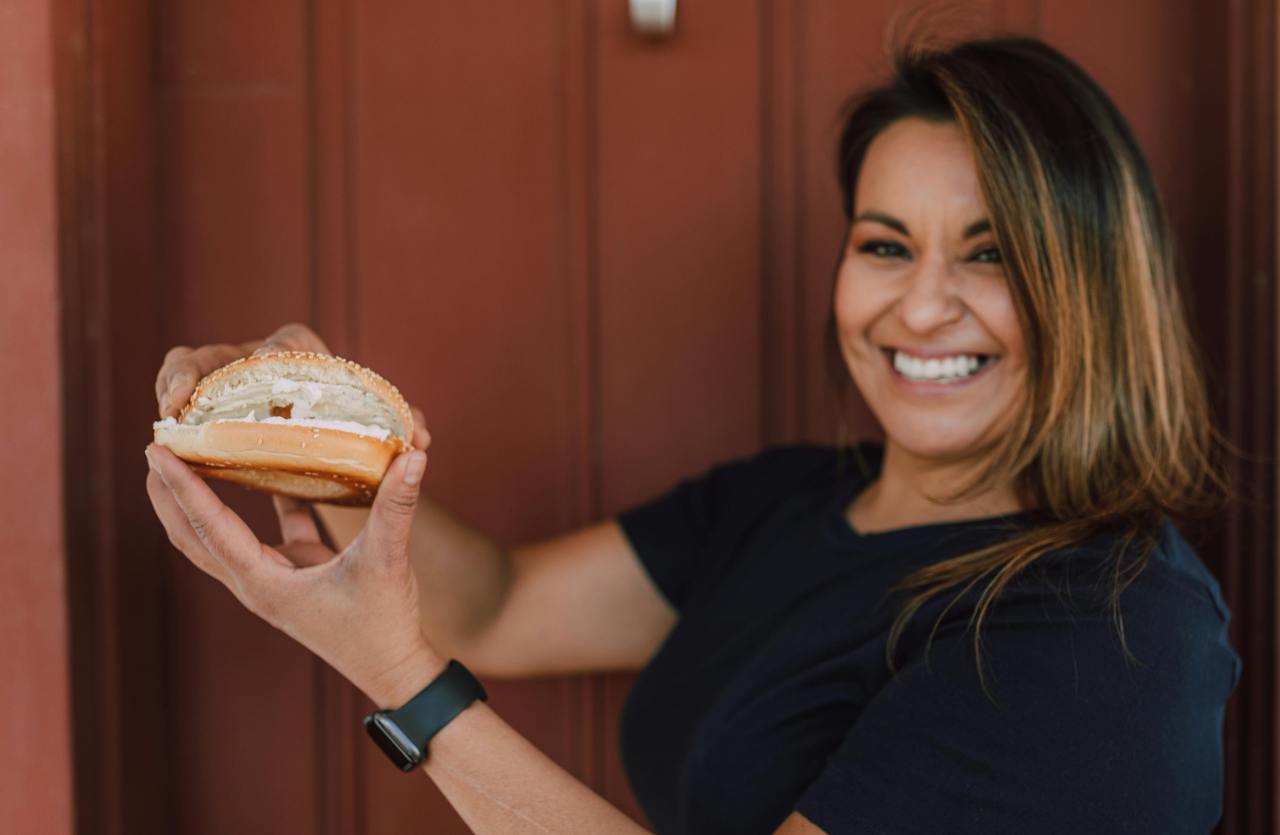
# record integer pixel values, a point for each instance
(990, 255)
(884, 249)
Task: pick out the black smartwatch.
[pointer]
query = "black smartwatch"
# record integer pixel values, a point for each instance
(403, 734)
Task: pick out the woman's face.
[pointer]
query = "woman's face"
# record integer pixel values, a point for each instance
(926, 323)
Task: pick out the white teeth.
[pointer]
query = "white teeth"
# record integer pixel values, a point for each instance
(949, 368)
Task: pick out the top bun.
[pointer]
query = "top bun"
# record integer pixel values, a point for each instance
(311, 426)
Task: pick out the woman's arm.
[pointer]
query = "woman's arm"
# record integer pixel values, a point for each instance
(500, 784)
(358, 611)
(575, 603)
(579, 602)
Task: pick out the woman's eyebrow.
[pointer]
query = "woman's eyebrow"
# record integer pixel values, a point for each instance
(888, 220)
(972, 230)
(977, 228)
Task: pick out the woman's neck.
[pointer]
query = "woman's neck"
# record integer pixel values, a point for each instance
(899, 498)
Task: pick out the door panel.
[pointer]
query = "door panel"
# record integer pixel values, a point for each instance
(679, 266)
(461, 295)
(233, 174)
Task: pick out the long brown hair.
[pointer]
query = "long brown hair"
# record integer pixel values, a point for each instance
(1114, 431)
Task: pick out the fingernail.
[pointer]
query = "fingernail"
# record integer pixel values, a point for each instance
(150, 461)
(415, 468)
(175, 384)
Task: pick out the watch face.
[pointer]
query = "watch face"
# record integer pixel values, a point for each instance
(388, 736)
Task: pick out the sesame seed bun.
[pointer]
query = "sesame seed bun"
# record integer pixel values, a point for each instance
(311, 426)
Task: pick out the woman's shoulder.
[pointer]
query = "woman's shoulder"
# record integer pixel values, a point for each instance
(1169, 618)
(1177, 563)
(1162, 571)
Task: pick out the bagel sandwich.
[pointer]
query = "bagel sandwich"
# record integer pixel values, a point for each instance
(311, 426)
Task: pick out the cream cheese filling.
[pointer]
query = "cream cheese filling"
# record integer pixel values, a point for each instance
(306, 403)
(377, 432)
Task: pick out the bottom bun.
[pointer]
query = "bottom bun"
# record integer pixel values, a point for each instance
(312, 488)
(312, 463)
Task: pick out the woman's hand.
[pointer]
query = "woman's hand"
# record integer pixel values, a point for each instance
(357, 610)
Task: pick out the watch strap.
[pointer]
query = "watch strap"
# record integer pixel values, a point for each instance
(403, 733)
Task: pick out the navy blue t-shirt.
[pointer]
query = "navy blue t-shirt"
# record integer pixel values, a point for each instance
(772, 693)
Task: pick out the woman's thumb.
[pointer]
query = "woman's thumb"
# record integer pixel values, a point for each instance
(390, 520)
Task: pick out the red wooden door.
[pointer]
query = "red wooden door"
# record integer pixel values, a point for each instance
(598, 262)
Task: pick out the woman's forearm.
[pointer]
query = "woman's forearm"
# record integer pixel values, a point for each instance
(462, 574)
(498, 781)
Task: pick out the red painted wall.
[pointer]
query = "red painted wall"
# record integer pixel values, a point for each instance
(35, 714)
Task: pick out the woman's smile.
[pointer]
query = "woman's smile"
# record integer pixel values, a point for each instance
(931, 373)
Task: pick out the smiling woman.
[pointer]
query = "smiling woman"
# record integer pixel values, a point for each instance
(990, 624)
(1005, 303)
(1003, 215)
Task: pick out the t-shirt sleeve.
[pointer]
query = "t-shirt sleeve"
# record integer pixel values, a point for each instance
(684, 536)
(1079, 739)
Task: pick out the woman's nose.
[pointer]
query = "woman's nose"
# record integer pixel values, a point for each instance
(930, 297)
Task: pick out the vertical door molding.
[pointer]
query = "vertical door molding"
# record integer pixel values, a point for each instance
(332, 253)
(112, 295)
(578, 179)
(1246, 396)
(1227, 233)
(782, 204)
